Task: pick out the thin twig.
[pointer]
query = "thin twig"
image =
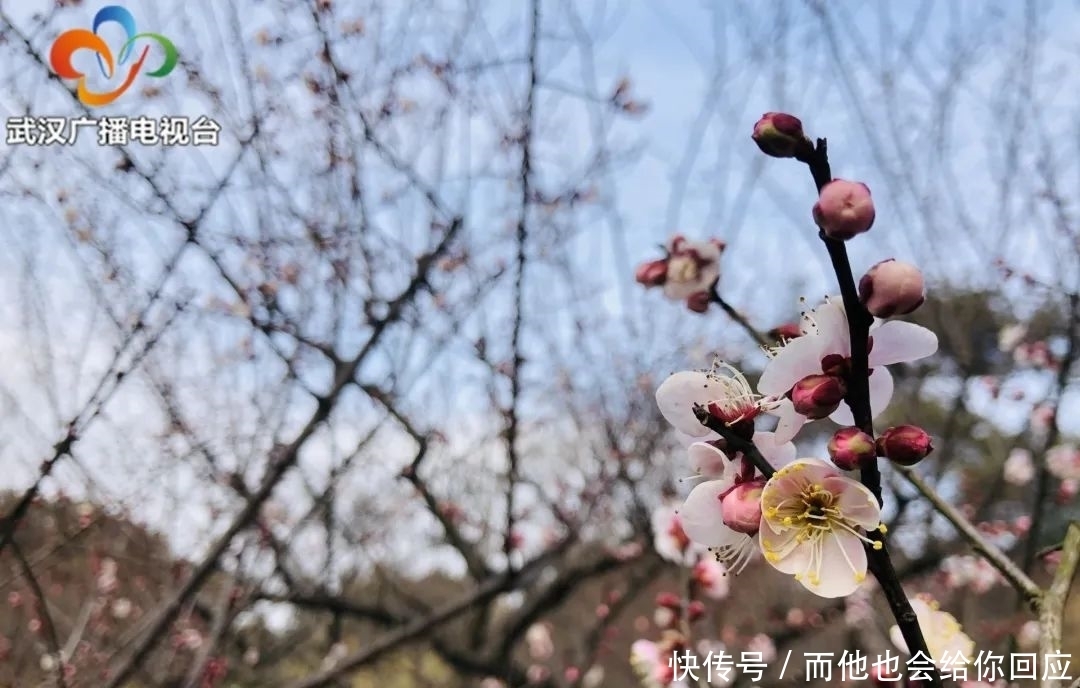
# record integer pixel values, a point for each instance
(521, 237)
(424, 624)
(1012, 573)
(735, 441)
(738, 317)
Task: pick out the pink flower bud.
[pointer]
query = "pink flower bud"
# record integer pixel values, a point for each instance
(668, 600)
(695, 610)
(892, 288)
(741, 507)
(1067, 490)
(780, 135)
(844, 209)
(699, 301)
(906, 445)
(851, 448)
(652, 274)
(817, 396)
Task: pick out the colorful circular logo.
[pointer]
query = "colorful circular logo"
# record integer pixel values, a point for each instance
(71, 41)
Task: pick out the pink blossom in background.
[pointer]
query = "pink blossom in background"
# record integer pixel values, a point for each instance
(968, 570)
(1019, 468)
(945, 639)
(711, 578)
(1063, 461)
(670, 539)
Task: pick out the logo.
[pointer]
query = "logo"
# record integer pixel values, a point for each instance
(73, 40)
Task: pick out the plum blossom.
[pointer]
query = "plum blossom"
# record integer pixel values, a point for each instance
(728, 397)
(702, 514)
(711, 578)
(1067, 490)
(688, 271)
(669, 538)
(763, 644)
(968, 570)
(1041, 418)
(1019, 469)
(106, 577)
(1010, 336)
(121, 608)
(859, 607)
(652, 661)
(811, 526)
(825, 347)
(1063, 461)
(1027, 638)
(538, 640)
(946, 641)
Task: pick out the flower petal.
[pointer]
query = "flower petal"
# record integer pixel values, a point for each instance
(832, 327)
(707, 460)
(843, 566)
(898, 342)
(789, 423)
(702, 518)
(792, 479)
(782, 552)
(686, 440)
(881, 391)
(797, 359)
(855, 501)
(677, 291)
(810, 470)
(897, 637)
(777, 454)
(678, 395)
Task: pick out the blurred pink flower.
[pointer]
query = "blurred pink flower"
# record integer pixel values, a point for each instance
(945, 639)
(711, 578)
(538, 640)
(689, 269)
(651, 663)
(967, 570)
(1010, 336)
(1063, 461)
(763, 644)
(1019, 468)
(669, 538)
